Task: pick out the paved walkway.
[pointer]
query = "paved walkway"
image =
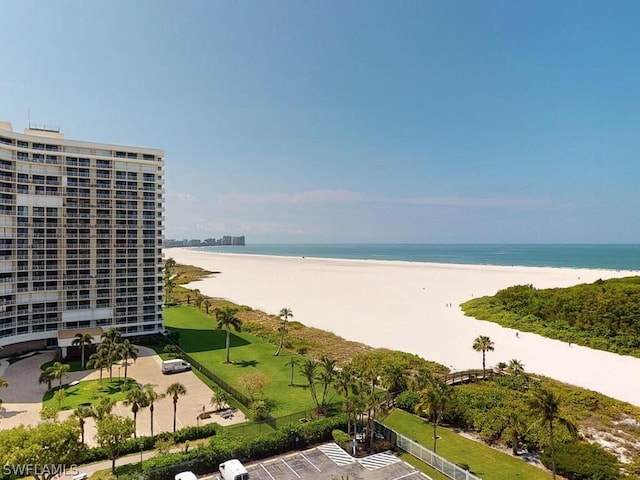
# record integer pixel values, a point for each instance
(22, 399)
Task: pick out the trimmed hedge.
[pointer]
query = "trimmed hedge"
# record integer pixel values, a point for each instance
(132, 445)
(206, 459)
(340, 437)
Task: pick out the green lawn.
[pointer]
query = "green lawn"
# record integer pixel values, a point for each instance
(423, 467)
(76, 366)
(483, 461)
(86, 393)
(200, 339)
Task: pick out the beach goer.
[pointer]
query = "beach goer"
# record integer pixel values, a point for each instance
(517, 335)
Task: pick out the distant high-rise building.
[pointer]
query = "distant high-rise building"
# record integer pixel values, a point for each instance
(81, 227)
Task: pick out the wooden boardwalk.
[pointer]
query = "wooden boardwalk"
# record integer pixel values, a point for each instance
(466, 376)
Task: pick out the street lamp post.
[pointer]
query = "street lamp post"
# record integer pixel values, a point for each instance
(141, 447)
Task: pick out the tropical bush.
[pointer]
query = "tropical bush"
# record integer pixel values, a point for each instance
(407, 400)
(604, 315)
(206, 459)
(134, 445)
(583, 461)
(341, 437)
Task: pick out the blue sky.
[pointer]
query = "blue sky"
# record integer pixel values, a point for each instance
(356, 121)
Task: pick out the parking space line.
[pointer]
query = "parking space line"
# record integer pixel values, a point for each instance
(267, 471)
(310, 462)
(294, 472)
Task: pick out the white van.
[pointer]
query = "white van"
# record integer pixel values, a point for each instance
(186, 476)
(233, 470)
(174, 366)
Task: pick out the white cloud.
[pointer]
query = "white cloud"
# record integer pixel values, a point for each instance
(183, 197)
(296, 198)
(483, 202)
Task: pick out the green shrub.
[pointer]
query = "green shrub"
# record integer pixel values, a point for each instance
(206, 459)
(340, 437)
(133, 445)
(407, 400)
(583, 461)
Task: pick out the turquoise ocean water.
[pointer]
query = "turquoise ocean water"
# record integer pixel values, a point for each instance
(600, 256)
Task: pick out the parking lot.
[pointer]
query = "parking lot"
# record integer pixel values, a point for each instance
(326, 462)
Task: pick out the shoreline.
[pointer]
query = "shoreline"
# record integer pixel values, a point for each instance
(627, 272)
(420, 262)
(414, 307)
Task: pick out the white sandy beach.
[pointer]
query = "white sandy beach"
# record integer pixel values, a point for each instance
(403, 306)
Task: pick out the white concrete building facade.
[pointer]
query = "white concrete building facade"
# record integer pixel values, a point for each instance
(81, 232)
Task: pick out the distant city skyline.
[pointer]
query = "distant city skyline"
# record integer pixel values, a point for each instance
(347, 122)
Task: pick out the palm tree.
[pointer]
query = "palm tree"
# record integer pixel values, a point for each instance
(284, 314)
(169, 286)
(102, 407)
(516, 367)
(4, 384)
(352, 406)
(46, 377)
(226, 317)
(82, 413)
(112, 334)
(128, 350)
(207, 305)
(136, 398)
(198, 298)
(501, 367)
(175, 390)
(82, 339)
(169, 282)
(514, 425)
(110, 350)
(394, 377)
(545, 405)
(483, 344)
(344, 380)
(293, 362)
(152, 397)
(100, 360)
(432, 403)
(220, 398)
(59, 370)
(326, 376)
(59, 397)
(308, 370)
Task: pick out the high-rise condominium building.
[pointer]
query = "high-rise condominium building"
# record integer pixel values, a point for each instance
(81, 228)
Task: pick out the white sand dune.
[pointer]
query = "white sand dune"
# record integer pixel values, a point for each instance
(403, 306)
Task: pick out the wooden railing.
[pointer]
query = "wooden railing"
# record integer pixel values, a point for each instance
(466, 376)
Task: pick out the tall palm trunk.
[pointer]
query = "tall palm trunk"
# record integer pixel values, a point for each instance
(135, 422)
(280, 345)
(228, 344)
(151, 410)
(484, 373)
(435, 430)
(553, 453)
(82, 353)
(175, 412)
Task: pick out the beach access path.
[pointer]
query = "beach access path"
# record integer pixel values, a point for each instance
(414, 307)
